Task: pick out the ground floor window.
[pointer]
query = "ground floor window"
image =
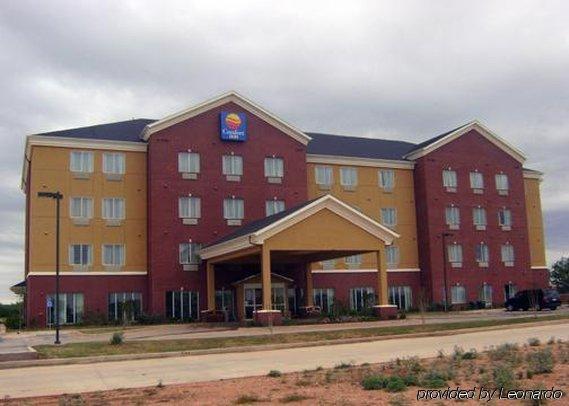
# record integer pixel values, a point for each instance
(486, 294)
(324, 298)
(292, 299)
(278, 298)
(361, 298)
(458, 294)
(510, 290)
(224, 301)
(401, 297)
(182, 305)
(70, 308)
(125, 306)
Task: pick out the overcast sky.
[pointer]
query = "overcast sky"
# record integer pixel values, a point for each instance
(394, 69)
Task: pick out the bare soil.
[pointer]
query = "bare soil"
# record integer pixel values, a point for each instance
(343, 384)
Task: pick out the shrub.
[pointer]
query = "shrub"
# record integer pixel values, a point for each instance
(411, 364)
(117, 338)
(343, 365)
(245, 399)
(403, 315)
(540, 362)
(295, 397)
(274, 373)
(534, 342)
(410, 380)
(503, 377)
(12, 322)
(433, 379)
(374, 382)
(551, 341)
(395, 384)
(505, 352)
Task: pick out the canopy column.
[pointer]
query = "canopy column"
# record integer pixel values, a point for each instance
(309, 286)
(266, 278)
(383, 309)
(210, 286)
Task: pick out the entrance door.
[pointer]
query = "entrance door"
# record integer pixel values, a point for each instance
(253, 300)
(224, 301)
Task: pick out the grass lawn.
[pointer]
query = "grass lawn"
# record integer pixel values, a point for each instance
(138, 347)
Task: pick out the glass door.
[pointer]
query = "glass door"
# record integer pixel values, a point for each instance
(253, 300)
(224, 301)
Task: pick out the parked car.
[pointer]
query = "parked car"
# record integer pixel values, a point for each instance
(538, 298)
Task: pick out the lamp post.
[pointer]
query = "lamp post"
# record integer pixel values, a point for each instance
(444, 235)
(57, 196)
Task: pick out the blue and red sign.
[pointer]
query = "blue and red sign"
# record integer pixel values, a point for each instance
(233, 126)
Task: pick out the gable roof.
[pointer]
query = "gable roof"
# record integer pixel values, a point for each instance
(435, 143)
(233, 97)
(118, 131)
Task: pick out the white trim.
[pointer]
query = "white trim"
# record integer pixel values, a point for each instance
(539, 267)
(233, 97)
(395, 270)
(87, 273)
(533, 174)
(481, 129)
(259, 274)
(356, 161)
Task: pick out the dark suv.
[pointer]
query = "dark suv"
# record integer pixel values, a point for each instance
(538, 298)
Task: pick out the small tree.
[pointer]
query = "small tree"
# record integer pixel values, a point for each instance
(560, 275)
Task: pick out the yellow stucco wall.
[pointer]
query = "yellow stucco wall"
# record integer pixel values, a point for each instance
(50, 172)
(535, 222)
(370, 198)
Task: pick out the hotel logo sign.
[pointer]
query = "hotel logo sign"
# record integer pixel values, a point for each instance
(233, 126)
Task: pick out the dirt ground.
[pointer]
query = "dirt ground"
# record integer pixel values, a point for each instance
(510, 367)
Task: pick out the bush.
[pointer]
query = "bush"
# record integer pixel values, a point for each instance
(395, 384)
(433, 379)
(505, 352)
(117, 338)
(274, 373)
(374, 382)
(503, 377)
(295, 397)
(147, 319)
(12, 322)
(541, 361)
(410, 380)
(534, 342)
(245, 399)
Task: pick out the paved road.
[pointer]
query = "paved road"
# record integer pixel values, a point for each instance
(114, 375)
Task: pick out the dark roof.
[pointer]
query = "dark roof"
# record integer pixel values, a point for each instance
(435, 139)
(120, 131)
(257, 225)
(374, 148)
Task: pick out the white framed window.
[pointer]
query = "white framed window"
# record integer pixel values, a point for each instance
(386, 179)
(401, 296)
(113, 163)
(486, 294)
(392, 256)
(125, 306)
(389, 216)
(189, 207)
(183, 305)
(274, 207)
(274, 168)
(505, 219)
(188, 162)
(450, 181)
(479, 218)
(70, 308)
(329, 264)
(508, 254)
(232, 165)
(81, 161)
(113, 208)
(502, 183)
(353, 261)
(324, 177)
(452, 217)
(348, 178)
(476, 181)
(323, 298)
(458, 294)
(81, 208)
(80, 254)
(189, 253)
(233, 209)
(482, 254)
(361, 298)
(454, 252)
(113, 254)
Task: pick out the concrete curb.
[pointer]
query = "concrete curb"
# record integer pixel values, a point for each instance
(253, 348)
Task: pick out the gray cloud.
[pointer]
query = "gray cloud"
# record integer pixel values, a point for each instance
(406, 70)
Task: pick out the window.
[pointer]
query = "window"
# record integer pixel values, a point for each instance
(323, 176)
(353, 261)
(502, 184)
(189, 208)
(486, 294)
(182, 305)
(113, 255)
(274, 207)
(458, 294)
(232, 167)
(510, 290)
(482, 255)
(70, 308)
(274, 169)
(348, 178)
(361, 298)
(324, 298)
(392, 256)
(189, 253)
(450, 181)
(113, 208)
(81, 208)
(455, 255)
(505, 219)
(189, 164)
(329, 264)
(508, 254)
(124, 306)
(386, 179)
(278, 298)
(452, 217)
(80, 254)
(233, 211)
(479, 218)
(389, 216)
(113, 163)
(401, 297)
(476, 182)
(81, 162)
